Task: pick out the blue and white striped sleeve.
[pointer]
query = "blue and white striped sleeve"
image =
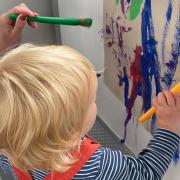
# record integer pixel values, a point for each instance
(151, 163)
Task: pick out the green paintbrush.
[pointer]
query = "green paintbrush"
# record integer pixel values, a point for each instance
(87, 22)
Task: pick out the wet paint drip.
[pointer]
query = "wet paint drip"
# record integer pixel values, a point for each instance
(134, 9)
(171, 65)
(166, 29)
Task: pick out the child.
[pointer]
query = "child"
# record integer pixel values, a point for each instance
(48, 106)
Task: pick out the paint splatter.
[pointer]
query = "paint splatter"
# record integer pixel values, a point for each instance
(134, 9)
(166, 29)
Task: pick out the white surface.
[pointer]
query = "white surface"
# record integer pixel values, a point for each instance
(88, 42)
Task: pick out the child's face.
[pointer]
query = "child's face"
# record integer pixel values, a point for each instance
(90, 116)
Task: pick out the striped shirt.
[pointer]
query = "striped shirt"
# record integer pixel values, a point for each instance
(107, 164)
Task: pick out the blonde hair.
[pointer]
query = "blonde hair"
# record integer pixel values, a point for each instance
(44, 95)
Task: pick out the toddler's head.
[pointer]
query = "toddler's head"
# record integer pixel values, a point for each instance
(45, 93)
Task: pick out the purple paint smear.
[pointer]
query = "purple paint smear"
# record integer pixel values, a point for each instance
(125, 5)
(114, 34)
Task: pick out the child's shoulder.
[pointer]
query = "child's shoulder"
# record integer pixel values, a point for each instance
(99, 163)
(6, 170)
(4, 162)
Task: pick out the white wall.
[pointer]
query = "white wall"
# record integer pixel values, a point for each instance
(89, 43)
(46, 32)
(86, 40)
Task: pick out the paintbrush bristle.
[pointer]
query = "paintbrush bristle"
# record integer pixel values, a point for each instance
(86, 22)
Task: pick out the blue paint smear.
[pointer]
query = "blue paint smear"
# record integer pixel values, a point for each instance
(147, 83)
(150, 63)
(126, 86)
(171, 65)
(124, 79)
(150, 68)
(166, 29)
(169, 11)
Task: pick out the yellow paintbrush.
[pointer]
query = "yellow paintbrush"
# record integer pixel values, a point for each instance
(151, 111)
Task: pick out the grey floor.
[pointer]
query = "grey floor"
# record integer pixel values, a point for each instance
(106, 137)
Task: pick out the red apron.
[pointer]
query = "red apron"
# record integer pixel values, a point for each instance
(87, 149)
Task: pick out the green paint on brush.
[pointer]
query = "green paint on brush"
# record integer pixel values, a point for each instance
(135, 9)
(117, 2)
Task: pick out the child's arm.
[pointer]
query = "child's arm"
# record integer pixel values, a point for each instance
(152, 162)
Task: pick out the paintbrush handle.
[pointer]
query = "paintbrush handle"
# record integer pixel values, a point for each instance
(53, 20)
(151, 111)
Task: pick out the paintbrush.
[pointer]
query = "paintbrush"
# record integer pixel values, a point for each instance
(87, 22)
(151, 111)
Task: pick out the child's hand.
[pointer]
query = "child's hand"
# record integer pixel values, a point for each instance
(10, 31)
(167, 107)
